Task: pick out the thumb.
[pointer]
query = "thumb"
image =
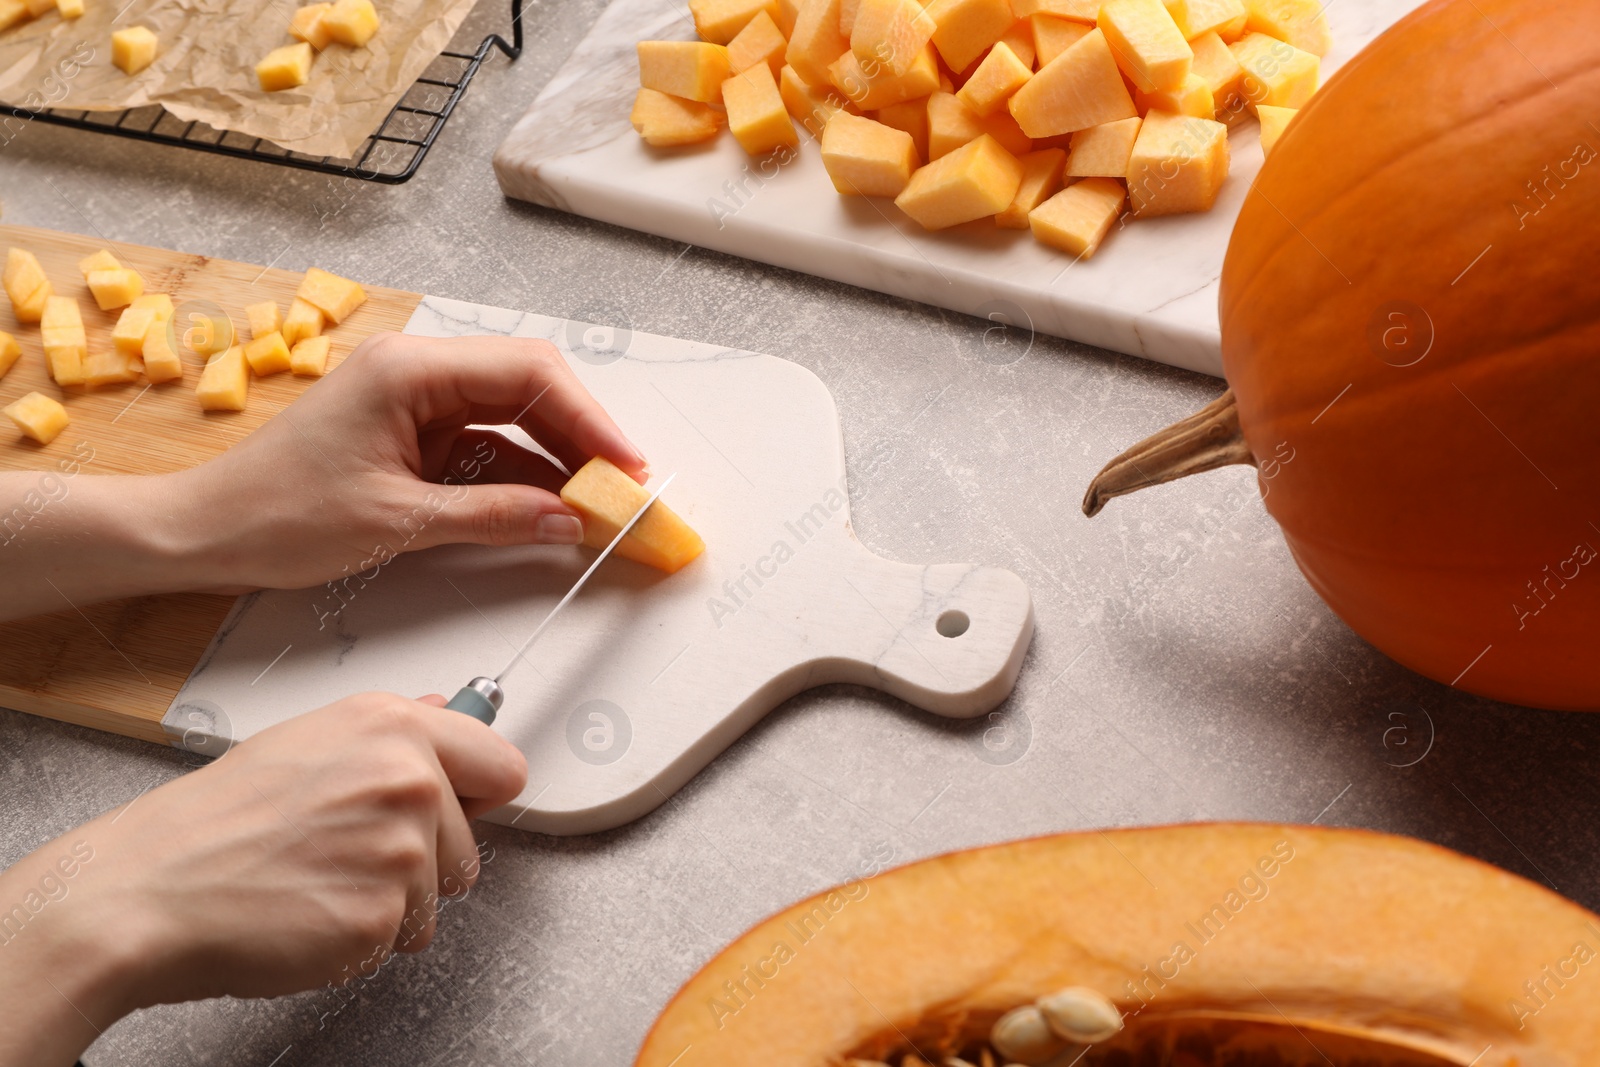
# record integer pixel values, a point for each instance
(505, 513)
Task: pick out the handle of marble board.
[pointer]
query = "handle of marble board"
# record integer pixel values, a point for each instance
(948, 638)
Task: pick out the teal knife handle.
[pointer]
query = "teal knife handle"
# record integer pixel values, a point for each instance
(481, 699)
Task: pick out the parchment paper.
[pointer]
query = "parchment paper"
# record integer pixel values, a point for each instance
(205, 68)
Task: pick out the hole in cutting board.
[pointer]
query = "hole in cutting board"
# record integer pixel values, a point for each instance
(953, 623)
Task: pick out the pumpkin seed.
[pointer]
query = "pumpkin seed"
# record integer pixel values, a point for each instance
(1080, 1014)
(1021, 1035)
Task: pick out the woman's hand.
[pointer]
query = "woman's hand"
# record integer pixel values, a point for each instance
(304, 856)
(373, 461)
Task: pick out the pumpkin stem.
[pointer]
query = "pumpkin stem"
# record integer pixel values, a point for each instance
(1206, 440)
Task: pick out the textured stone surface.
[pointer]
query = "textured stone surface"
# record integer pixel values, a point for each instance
(1182, 669)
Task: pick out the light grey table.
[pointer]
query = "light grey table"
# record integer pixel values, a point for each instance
(1182, 669)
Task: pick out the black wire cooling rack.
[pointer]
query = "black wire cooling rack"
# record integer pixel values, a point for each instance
(389, 156)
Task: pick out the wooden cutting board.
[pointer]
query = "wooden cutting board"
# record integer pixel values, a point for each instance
(117, 666)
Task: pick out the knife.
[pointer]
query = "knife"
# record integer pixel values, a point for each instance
(481, 698)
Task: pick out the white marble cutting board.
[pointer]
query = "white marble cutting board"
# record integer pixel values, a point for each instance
(644, 677)
(1151, 290)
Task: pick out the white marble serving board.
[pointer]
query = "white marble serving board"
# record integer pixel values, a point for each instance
(1151, 290)
(644, 677)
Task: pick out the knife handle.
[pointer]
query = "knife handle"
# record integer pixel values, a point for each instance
(481, 698)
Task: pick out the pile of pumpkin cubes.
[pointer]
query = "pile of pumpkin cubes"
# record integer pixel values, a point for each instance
(1050, 115)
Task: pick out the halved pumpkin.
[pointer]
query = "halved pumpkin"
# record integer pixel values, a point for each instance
(1224, 944)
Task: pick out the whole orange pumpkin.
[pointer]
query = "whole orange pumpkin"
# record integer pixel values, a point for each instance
(1411, 303)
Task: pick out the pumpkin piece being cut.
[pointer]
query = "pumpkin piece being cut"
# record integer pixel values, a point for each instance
(10, 352)
(26, 285)
(66, 346)
(816, 41)
(607, 498)
(1273, 121)
(1081, 87)
(1053, 35)
(1274, 72)
(999, 76)
(1193, 97)
(309, 358)
(1077, 219)
(1147, 44)
(225, 382)
(952, 124)
(668, 121)
(161, 360)
(719, 21)
(977, 180)
(759, 42)
(964, 28)
(689, 70)
(1178, 164)
(1103, 151)
(889, 35)
(870, 92)
(1195, 17)
(867, 158)
(38, 417)
(1285, 945)
(1301, 23)
(334, 296)
(810, 106)
(912, 117)
(1214, 61)
(1041, 179)
(756, 115)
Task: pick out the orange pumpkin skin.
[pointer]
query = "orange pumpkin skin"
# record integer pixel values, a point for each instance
(1410, 310)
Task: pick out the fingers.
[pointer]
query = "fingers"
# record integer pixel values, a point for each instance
(484, 769)
(500, 514)
(485, 456)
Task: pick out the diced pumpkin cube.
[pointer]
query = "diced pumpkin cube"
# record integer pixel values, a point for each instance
(110, 367)
(871, 92)
(816, 41)
(847, 17)
(1146, 43)
(39, 7)
(1041, 179)
(690, 70)
(1082, 10)
(263, 318)
(1103, 151)
(889, 35)
(70, 9)
(1275, 72)
(867, 158)
(306, 25)
(1299, 22)
(1193, 97)
(668, 121)
(161, 360)
(12, 12)
(206, 334)
(811, 106)
(267, 355)
(999, 76)
(66, 346)
(1195, 17)
(38, 417)
(26, 285)
(976, 180)
(719, 21)
(964, 28)
(606, 498)
(309, 359)
(1019, 38)
(128, 334)
(351, 22)
(101, 260)
(284, 68)
(305, 319)
(113, 289)
(334, 296)
(759, 42)
(133, 49)
(1273, 121)
(1077, 219)
(1053, 35)
(952, 124)
(786, 15)
(225, 382)
(1178, 164)
(10, 352)
(756, 114)
(912, 117)
(1081, 87)
(159, 303)
(1214, 62)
